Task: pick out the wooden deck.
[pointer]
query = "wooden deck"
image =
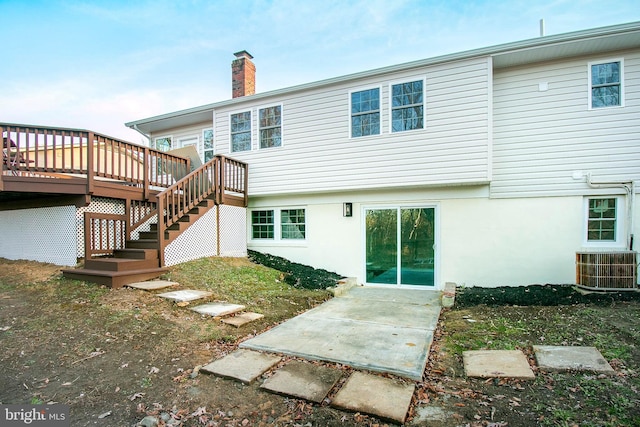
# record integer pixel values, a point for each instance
(56, 167)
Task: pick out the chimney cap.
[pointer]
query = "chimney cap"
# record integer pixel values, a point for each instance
(243, 54)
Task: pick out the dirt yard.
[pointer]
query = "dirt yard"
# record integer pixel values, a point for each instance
(117, 356)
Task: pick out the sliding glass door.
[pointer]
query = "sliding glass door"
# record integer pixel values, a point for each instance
(400, 246)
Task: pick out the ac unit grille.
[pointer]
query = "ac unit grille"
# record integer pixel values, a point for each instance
(607, 270)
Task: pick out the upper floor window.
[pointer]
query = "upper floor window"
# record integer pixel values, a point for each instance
(605, 84)
(241, 131)
(207, 144)
(163, 143)
(365, 112)
(407, 106)
(270, 126)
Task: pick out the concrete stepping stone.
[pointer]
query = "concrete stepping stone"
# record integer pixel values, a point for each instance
(571, 358)
(382, 397)
(185, 295)
(497, 363)
(242, 365)
(218, 309)
(152, 285)
(242, 319)
(303, 380)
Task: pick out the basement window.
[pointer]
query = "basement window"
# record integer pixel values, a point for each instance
(262, 224)
(292, 224)
(605, 84)
(605, 221)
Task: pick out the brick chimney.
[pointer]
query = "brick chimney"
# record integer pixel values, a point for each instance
(243, 75)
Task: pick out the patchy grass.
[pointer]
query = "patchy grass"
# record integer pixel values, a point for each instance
(552, 399)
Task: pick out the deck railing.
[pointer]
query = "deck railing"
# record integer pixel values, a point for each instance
(103, 233)
(46, 151)
(220, 179)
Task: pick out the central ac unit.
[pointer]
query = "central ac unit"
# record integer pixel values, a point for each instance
(607, 270)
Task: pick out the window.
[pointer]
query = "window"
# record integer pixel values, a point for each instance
(270, 126)
(262, 224)
(605, 81)
(163, 143)
(407, 106)
(292, 224)
(602, 222)
(241, 131)
(365, 113)
(207, 149)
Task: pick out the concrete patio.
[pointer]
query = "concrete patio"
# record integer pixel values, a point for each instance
(373, 328)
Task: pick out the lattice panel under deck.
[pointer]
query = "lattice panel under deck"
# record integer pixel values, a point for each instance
(233, 231)
(41, 234)
(197, 241)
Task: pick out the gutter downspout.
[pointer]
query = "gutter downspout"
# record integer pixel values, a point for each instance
(135, 127)
(630, 188)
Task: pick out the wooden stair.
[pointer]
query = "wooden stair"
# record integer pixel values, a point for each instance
(139, 260)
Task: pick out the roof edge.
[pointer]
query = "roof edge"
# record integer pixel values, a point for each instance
(452, 57)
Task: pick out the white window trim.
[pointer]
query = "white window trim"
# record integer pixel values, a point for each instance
(277, 225)
(350, 115)
(605, 61)
(257, 114)
(156, 138)
(621, 224)
(424, 104)
(231, 113)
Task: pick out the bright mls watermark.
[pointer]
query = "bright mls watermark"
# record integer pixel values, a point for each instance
(34, 415)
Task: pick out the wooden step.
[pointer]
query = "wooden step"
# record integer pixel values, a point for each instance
(148, 234)
(120, 264)
(136, 253)
(142, 244)
(114, 279)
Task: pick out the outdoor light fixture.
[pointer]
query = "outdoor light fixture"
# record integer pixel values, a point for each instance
(347, 209)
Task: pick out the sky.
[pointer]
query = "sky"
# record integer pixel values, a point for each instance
(98, 64)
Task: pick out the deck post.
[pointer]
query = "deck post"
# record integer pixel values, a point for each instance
(145, 171)
(90, 166)
(160, 206)
(4, 146)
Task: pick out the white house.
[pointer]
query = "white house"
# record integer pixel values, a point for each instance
(488, 167)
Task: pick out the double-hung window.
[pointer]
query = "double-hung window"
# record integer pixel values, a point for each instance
(605, 225)
(365, 112)
(262, 224)
(291, 224)
(207, 144)
(605, 84)
(241, 131)
(270, 126)
(407, 106)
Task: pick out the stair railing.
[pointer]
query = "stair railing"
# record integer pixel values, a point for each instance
(220, 179)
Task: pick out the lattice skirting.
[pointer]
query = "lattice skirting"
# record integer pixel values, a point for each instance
(41, 234)
(201, 239)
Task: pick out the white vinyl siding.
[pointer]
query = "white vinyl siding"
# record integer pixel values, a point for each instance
(541, 137)
(320, 154)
